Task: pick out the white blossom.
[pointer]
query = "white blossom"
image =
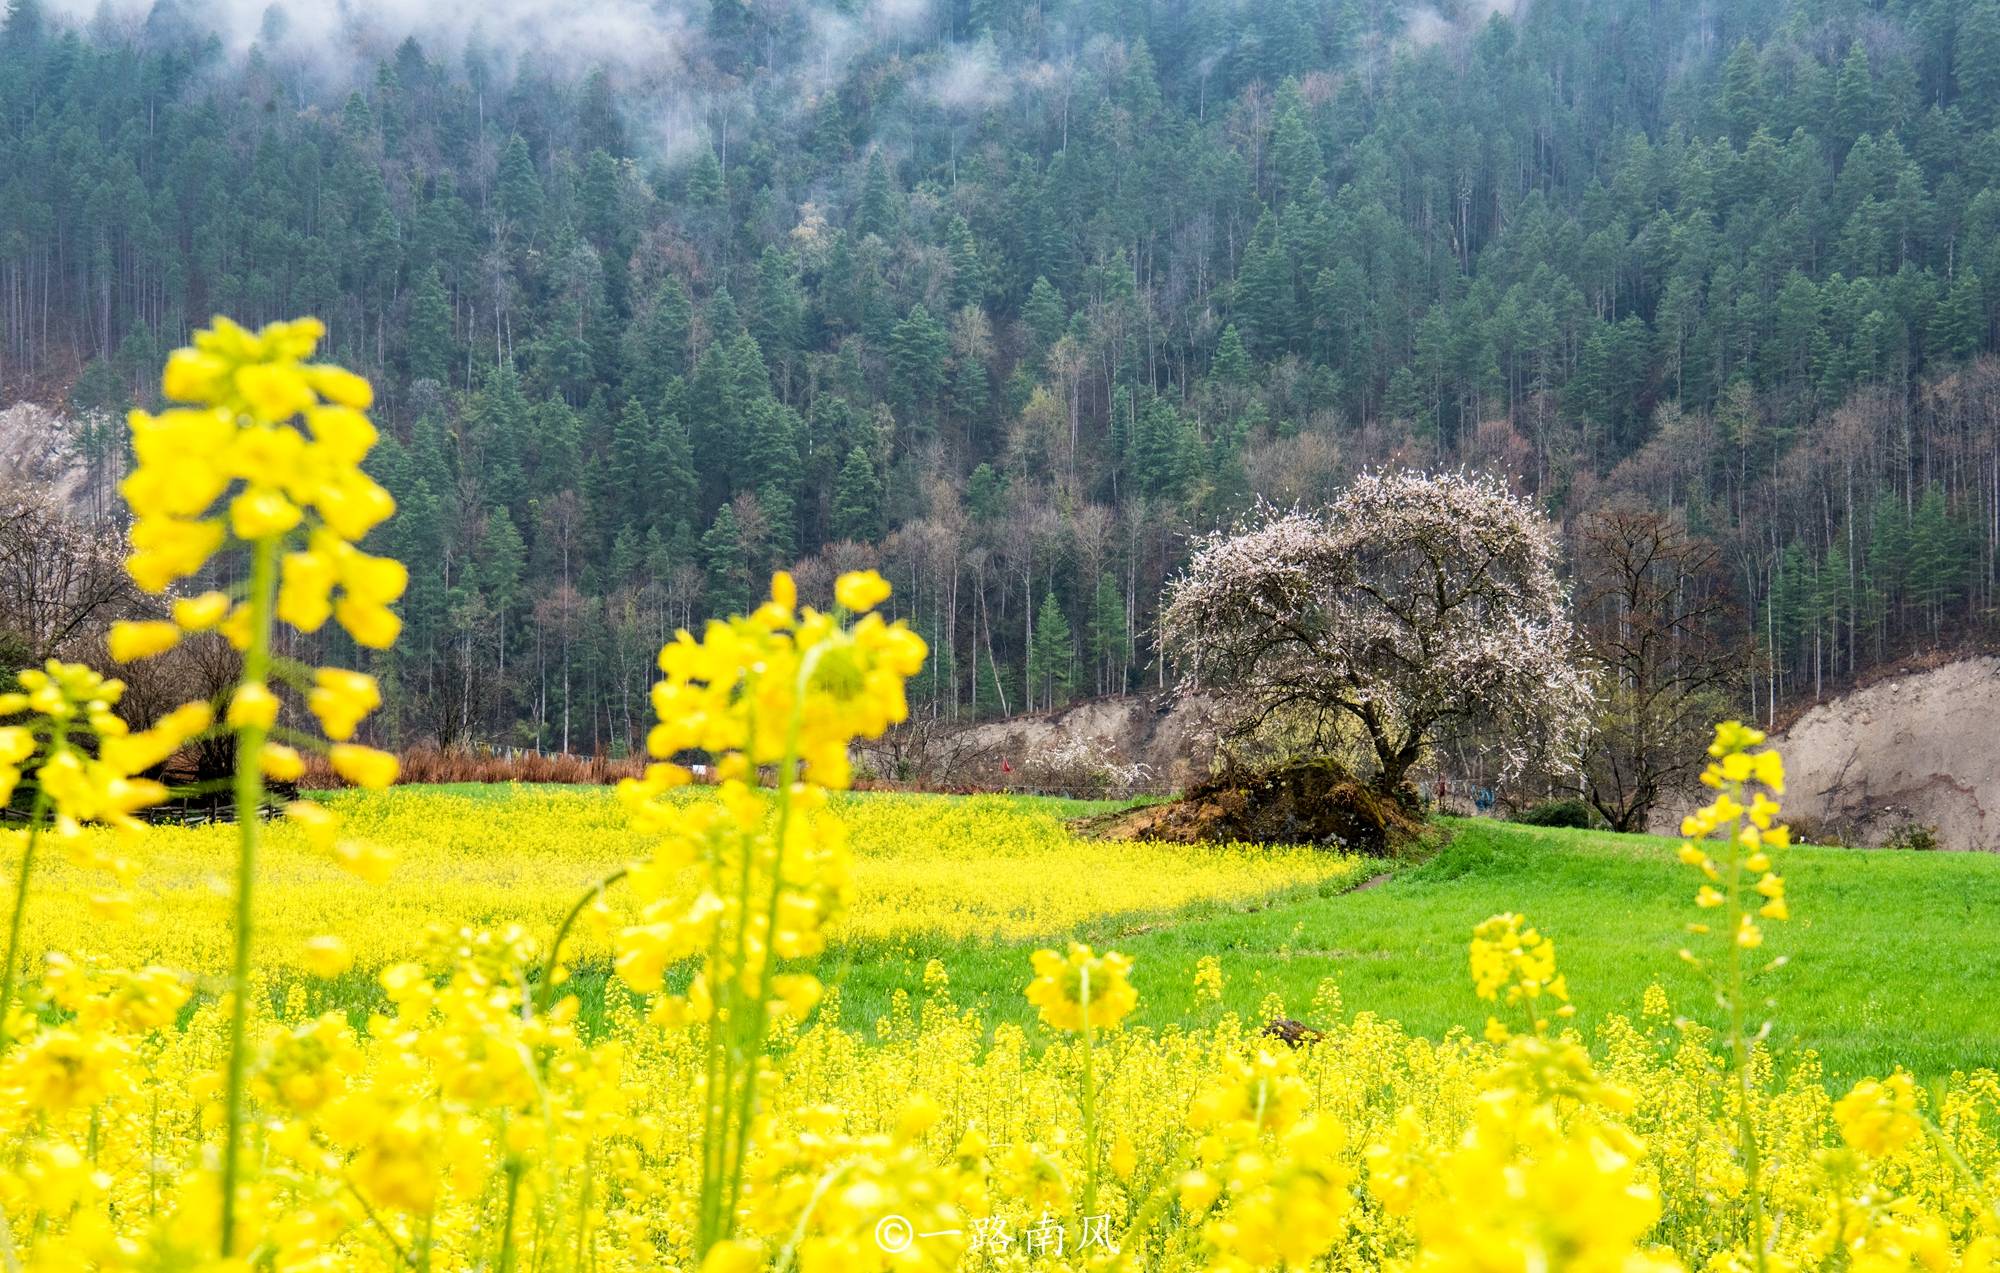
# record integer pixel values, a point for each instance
(1414, 604)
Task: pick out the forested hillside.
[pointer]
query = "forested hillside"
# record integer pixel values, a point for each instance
(1013, 298)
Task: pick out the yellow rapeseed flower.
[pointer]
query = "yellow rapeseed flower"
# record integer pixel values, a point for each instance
(282, 763)
(328, 956)
(200, 613)
(1063, 985)
(1879, 1116)
(247, 394)
(342, 699)
(861, 590)
(363, 766)
(1208, 978)
(253, 704)
(132, 640)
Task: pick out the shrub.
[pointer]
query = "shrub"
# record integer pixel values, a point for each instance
(462, 764)
(1075, 766)
(1304, 802)
(1566, 812)
(1915, 836)
(1824, 831)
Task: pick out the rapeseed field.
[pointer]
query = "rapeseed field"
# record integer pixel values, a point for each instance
(217, 1114)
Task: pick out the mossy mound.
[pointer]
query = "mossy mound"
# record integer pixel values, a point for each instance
(1314, 802)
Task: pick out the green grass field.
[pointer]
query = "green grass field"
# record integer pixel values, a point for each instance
(1890, 955)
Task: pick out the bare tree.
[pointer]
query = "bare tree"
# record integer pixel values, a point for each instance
(1653, 614)
(1412, 606)
(60, 580)
(202, 669)
(933, 753)
(62, 574)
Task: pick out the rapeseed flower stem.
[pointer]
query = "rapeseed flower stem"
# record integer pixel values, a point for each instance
(545, 991)
(37, 817)
(756, 1019)
(1743, 817)
(513, 1202)
(1089, 1102)
(250, 736)
(1739, 1042)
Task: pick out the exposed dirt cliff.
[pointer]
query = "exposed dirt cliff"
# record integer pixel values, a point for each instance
(1920, 750)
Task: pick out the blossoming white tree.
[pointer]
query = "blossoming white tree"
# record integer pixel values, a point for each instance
(1413, 605)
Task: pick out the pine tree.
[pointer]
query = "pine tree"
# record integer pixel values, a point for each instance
(24, 25)
(1958, 324)
(1052, 656)
(985, 494)
(560, 435)
(1855, 109)
(504, 556)
(518, 188)
(627, 555)
(1110, 642)
(704, 186)
(1232, 360)
(1045, 315)
(1937, 556)
(876, 212)
(918, 348)
(561, 357)
(724, 322)
(722, 556)
(100, 389)
(1295, 153)
(675, 484)
(729, 24)
(971, 388)
(968, 271)
(779, 324)
(427, 342)
(605, 488)
(497, 422)
(139, 362)
(1160, 463)
(631, 464)
(1976, 62)
(417, 538)
(770, 467)
(1742, 105)
(598, 201)
(598, 120)
(656, 346)
(1404, 399)
(1265, 295)
(857, 499)
(1889, 551)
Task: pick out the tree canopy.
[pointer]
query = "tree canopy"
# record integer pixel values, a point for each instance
(1413, 608)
